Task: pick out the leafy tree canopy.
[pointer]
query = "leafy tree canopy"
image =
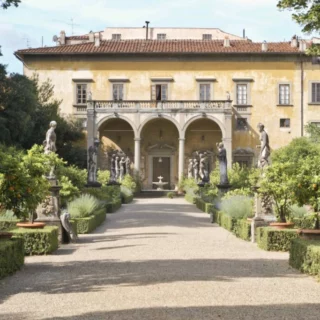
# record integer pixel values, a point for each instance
(5, 4)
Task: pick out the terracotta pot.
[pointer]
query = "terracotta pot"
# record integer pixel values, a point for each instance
(38, 225)
(5, 235)
(282, 225)
(310, 234)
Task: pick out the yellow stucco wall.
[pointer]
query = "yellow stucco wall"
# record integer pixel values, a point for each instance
(263, 89)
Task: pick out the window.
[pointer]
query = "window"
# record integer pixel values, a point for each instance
(117, 91)
(285, 123)
(81, 94)
(159, 92)
(205, 91)
(284, 94)
(315, 92)
(316, 123)
(161, 36)
(207, 37)
(116, 36)
(242, 124)
(242, 94)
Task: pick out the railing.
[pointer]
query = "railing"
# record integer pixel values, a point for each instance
(159, 105)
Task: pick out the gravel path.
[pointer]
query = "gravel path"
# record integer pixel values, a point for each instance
(159, 259)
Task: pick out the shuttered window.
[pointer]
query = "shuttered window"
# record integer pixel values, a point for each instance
(284, 94)
(242, 94)
(117, 91)
(315, 92)
(159, 92)
(81, 93)
(205, 92)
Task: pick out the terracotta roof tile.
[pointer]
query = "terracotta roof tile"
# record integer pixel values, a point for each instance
(84, 37)
(164, 46)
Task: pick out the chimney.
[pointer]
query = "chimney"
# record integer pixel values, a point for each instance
(264, 46)
(226, 42)
(97, 39)
(91, 36)
(62, 38)
(302, 45)
(294, 42)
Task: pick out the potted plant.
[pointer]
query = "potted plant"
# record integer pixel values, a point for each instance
(22, 182)
(307, 191)
(277, 182)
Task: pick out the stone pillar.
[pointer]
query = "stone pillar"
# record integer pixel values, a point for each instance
(227, 139)
(137, 155)
(90, 125)
(181, 158)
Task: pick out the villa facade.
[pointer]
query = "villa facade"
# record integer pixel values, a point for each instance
(163, 100)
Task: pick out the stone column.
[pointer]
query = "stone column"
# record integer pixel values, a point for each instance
(227, 139)
(181, 158)
(90, 125)
(137, 155)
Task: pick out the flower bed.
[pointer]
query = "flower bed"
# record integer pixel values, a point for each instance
(271, 239)
(11, 256)
(305, 256)
(38, 241)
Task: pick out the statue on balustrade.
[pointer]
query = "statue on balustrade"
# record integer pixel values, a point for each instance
(222, 157)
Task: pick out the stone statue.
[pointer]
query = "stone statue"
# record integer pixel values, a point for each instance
(92, 164)
(117, 168)
(190, 168)
(201, 166)
(222, 156)
(195, 169)
(128, 164)
(122, 164)
(50, 145)
(228, 96)
(205, 164)
(113, 176)
(265, 148)
(65, 221)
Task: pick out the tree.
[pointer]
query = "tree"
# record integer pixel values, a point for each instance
(5, 4)
(307, 14)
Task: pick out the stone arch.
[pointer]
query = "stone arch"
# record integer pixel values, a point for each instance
(212, 118)
(174, 121)
(133, 126)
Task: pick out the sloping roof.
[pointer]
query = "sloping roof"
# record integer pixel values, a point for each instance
(83, 37)
(163, 47)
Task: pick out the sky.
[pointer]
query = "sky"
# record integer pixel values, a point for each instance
(35, 20)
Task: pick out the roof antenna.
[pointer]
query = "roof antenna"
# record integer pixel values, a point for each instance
(147, 28)
(244, 33)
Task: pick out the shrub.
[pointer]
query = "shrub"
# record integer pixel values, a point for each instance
(105, 193)
(271, 239)
(190, 198)
(78, 177)
(103, 176)
(129, 182)
(11, 256)
(237, 207)
(89, 224)
(307, 222)
(204, 206)
(242, 229)
(297, 211)
(170, 195)
(38, 241)
(84, 206)
(188, 185)
(126, 194)
(305, 256)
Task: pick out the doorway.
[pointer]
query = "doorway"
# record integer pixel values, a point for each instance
(161, 167)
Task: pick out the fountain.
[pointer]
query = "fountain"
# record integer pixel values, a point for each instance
(160, 184)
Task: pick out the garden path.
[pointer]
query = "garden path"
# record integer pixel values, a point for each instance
(159, 259)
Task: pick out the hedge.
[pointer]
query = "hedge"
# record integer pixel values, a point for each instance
(190, 198)
(11, 256)
(112, 207)
(242, 229)
(304, 223)
(204, 206)
(38, 241)
(272, 239)
(126, 199)
(305, 256)
(8, 224)
(89, 224)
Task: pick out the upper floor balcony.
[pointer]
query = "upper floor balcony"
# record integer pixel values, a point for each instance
(150, 106)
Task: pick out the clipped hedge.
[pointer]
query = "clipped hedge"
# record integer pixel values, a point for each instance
(11, 256)
(126, 199)
(38, 241)
(8, 224)
(89, 224)
(305, 256)
(204, 206)
(190, 198)
(304, 223)
(113, 206)
(227, 222)
(272, 239)
(242, 229)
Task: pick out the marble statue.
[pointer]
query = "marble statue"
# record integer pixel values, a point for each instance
(228, 96)
(222, 156)
(122, 165)
(113, 177)
(190, 168)
(50, 145)
(205, 164)
(117, 167)
(92, 164)
(65, 221)
(201, 166)
(195, 169)
(265, 148)
(128, 164)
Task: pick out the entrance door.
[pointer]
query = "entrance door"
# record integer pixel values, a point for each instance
(161, 168)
